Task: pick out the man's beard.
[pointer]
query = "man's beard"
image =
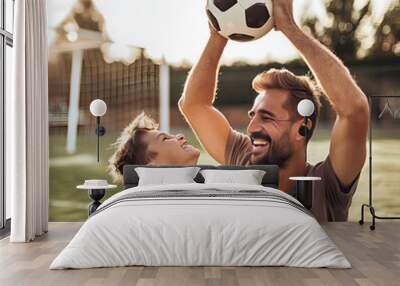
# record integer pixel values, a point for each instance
(278, 153)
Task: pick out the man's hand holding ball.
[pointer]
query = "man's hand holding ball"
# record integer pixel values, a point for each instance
(283, 15)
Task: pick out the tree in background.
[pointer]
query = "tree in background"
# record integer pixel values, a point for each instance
(344, 20)
(387, 37)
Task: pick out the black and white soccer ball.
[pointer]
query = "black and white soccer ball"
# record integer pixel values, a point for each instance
(240, 20)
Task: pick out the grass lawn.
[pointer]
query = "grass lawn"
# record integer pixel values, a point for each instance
(66, 171)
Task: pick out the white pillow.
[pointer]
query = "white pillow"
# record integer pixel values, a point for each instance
(248, 177)
(164, 176)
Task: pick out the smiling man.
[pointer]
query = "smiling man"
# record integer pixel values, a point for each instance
(273, 135)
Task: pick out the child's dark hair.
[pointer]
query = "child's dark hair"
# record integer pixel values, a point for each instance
(130, 147)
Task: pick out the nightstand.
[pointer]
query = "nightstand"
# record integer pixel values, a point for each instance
(304, 189)
(96, 190)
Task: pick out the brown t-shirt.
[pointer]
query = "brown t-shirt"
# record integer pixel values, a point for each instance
(331, 201)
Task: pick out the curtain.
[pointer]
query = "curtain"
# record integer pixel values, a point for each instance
(27, 124)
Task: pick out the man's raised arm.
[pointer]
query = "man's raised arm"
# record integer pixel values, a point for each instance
(196, 104)
(348, 140)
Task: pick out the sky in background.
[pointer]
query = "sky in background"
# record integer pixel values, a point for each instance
(178, 29)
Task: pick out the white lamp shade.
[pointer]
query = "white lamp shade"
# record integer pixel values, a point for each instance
(305, 107)
(98, 107)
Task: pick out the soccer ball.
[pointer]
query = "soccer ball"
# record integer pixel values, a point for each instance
(240, 20)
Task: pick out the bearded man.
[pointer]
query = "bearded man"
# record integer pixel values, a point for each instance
(273, 135)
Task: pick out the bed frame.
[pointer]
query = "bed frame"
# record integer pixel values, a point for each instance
(270, 179)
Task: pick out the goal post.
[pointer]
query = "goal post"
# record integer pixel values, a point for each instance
(164, 96)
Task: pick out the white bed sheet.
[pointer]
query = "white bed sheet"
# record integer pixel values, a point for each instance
(200, 232)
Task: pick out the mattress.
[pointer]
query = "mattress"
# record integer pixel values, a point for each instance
(201, 225)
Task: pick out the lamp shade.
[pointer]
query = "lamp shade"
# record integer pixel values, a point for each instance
(98, 107)
(305, 107)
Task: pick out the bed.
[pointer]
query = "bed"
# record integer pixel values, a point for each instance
(201, 224)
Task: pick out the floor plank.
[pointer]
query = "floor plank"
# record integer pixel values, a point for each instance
(374, 255)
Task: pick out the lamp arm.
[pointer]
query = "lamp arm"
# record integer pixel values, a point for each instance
(98, 137)
(305, 138)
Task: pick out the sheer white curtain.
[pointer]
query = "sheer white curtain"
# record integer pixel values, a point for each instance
(27, 124)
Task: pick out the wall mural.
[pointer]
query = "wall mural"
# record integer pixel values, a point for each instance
(185, 100)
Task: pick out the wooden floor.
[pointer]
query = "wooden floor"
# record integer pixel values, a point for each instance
(375, 257)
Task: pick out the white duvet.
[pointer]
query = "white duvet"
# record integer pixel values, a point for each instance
(188, 231)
